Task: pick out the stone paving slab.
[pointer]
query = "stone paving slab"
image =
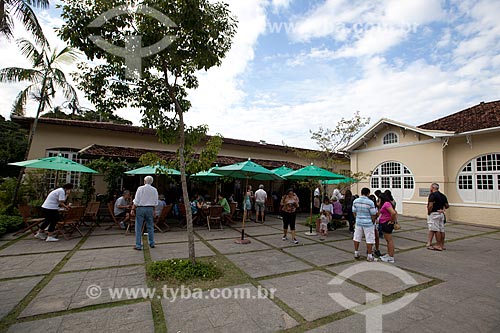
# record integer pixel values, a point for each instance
(101, 258)
(216, 233)
(352, 324)
(32, 245)
(127, 318)
(69, 291)
(31, 264)
(178, 250)
(226, 315)
(308, 293)
(10, 236)
(261, 230)
(226, 246)
(102, 230)
(13, 291)
(405, 244)
(348, 245)
(335, 235)
(264, 263)
(474, 227)
(413, 235)
(298, 227)
(180, 235)
(380, 278)
(319, 254)
(495, 235)
(464, 231)
(276, 241)
(111, 240)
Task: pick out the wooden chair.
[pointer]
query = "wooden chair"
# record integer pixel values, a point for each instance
(162, 218)
(270, 205)
(91, 214)
(234, 210)
(111, 209)
(71, 222)
(215, 214)
(29, 222)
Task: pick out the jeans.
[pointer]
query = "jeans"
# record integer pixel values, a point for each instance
(144, 215)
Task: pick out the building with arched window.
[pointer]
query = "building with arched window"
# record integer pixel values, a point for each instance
(461, 152)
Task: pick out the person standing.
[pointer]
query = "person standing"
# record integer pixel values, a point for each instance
(387, 219)
(260, 203)
(289, 204)
(364, 212)
(247, 203)
(348, 210)
(436, 204)
(50, 207)
(145, 201)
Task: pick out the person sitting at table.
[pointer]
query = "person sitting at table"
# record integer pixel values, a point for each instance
(122, 208)
(161, 204)
(54, 201)
(226, 209)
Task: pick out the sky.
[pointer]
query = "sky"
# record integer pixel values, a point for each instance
(298, 65)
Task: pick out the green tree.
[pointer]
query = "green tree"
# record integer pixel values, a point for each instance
(45, 78)
(201, 38)
(13, 142)
(21, 9)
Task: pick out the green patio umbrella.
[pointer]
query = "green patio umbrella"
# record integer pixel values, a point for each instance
(339, 181)
(282, 170)
(152, 170)
(312, 172)
(246, 170)
(58, 163)
(208, 176)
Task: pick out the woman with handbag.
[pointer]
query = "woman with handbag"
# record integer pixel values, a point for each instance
(387, 219)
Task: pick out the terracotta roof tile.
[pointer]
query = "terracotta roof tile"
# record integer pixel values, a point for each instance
(481, 116)
(135, 154)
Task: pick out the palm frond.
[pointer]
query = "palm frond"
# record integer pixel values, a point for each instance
(19, 106)
(16, 74)
(30, 51)
(38, 3)
(28, 18)
(66, 56)
(6, 24)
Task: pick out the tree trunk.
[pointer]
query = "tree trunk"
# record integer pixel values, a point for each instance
(41, 106)
(182, 167)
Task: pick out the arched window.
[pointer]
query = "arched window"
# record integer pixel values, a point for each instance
(479, 179)
(390, 138)
(393, 176)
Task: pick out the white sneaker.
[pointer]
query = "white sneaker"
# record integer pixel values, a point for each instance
(356, 255)
(52, 239)
(388, 259)
(41, 236)
(284, 238)
(122, 225)
(371, 259)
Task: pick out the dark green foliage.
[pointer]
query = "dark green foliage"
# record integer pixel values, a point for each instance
(112, 170)
(13, 143)
(10, 223)
(182, 270)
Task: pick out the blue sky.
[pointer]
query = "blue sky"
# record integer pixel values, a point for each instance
(408, 60)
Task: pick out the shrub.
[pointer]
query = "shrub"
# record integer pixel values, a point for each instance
(183, 270)
(10, 223)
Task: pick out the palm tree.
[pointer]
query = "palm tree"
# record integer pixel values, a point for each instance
(21, 9)
(45, 78)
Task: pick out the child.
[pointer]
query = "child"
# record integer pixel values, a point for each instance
(325, 218)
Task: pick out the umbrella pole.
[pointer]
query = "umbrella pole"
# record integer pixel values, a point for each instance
(242, 240)
(311, 232)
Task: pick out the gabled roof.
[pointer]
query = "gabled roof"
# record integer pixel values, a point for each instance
(95, 151)
(383, 123)
(480, 116)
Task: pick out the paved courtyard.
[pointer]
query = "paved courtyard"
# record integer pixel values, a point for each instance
(54, 287)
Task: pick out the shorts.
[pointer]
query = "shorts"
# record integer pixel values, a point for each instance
(122, 214)
(289, 220)
(323, 227)
(259, 206)
(435, 222)
(386, 228)
(369, 234)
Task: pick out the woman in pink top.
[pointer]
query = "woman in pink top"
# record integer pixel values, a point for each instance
(386, 220)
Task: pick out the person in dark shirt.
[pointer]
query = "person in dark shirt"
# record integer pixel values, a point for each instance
(436, 205)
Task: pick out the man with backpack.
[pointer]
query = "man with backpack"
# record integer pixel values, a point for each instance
(436, 204)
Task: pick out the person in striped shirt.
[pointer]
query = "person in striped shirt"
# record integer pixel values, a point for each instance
(364, 212)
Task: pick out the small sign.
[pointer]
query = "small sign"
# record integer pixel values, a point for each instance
(424, 192)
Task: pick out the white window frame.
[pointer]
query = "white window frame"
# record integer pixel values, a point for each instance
(394, 139)
(476, 170)
(68, 177)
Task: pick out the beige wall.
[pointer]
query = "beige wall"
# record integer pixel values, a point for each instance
(430, 162)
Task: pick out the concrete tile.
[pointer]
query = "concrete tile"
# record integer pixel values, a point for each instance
(173, 236)
(383, 278)
(102, 230)
(474, 227)
(308, 293)
(110, 240)
(209, 314)
(32, 245)
(226, 246)
(178, 250)
(276, 241)
(126, 318)
(13, 291)
(264, 263)
(31, 264)
(101, 258)
(404, 244)
(348, 245)
(319, 254)
(495, 235)
(353, 324)
(218, 234)
(340, 234)
(69, 291)
(261, 230)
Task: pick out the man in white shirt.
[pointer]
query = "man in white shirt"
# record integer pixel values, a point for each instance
(54, 201)
(260, 203)
(145, 201)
